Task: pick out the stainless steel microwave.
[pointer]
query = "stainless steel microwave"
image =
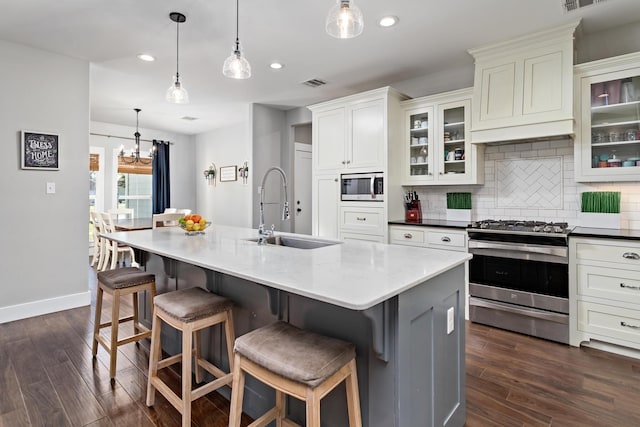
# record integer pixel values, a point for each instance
(364, 187)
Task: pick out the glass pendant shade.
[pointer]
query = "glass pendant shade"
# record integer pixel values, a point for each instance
(236, 66)
(177, 93)
(344, 20)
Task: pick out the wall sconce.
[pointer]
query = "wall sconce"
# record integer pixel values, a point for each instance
(244, 172)
(210, 174)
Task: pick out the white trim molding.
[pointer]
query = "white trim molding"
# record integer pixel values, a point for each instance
(45, 306)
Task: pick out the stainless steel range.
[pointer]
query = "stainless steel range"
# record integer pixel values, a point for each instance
(518, 277)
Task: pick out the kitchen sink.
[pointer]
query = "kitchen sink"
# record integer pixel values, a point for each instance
(296, 242)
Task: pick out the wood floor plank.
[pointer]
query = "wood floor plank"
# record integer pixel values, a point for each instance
(43, 405)
(122, 410)
(11, 403)
(79, 403)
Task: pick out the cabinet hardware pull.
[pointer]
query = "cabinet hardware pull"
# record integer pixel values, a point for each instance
(335, 179)
(630, 255)
(361, 218)
(445, 239)
(622, 285)
(408, 236)
(627, 325)
(348, 162)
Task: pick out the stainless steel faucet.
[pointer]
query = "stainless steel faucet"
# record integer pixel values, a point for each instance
(264, 234)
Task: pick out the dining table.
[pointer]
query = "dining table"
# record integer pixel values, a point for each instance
(131, 224)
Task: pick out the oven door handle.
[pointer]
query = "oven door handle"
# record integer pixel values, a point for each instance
(506, 250)
(523, 311)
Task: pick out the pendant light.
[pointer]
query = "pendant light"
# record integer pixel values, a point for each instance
(236, 66)
(176, 92)
(344, 20)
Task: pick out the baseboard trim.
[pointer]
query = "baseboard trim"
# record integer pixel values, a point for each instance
(45, 306)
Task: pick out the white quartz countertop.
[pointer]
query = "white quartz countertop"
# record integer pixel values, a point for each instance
(352, 274)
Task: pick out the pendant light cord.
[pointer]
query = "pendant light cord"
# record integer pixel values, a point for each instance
(177, 48)
(237, 25)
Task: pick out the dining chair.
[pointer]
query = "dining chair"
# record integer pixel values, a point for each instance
(126, 213)
(166, 219)
(176, 210)
(98, 250)
(113, 249)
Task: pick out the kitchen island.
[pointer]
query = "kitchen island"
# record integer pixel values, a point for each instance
(402, 307)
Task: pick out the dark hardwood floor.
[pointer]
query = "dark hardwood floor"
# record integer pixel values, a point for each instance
(48, 377)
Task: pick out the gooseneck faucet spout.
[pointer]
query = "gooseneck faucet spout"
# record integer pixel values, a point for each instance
(285, 210)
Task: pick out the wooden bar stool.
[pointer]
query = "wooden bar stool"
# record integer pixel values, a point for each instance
(301, 364)
(188, 310)
(117, 283)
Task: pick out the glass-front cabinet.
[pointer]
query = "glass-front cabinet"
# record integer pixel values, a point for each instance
(436, 144)
(607, 146)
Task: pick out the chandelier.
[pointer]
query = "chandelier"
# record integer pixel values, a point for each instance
(134, 157)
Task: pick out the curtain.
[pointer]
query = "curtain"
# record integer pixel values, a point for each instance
(161, 194)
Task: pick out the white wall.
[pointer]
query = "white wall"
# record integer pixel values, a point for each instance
(228, 203)
(44, 236)
(181, 158)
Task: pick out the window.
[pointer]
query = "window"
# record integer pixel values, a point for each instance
(134, 188)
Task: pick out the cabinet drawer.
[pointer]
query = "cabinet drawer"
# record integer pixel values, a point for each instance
(609, 321)
(626, 254)
(414, 236)
(362, 220)
(362, 237)
(613, 284)
(452, 240)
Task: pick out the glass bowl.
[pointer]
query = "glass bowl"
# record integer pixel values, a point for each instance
(194, 232)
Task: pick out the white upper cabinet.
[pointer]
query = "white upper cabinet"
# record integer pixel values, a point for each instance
(350, 134)
(523, 88)
(436, 145)
(607, 109)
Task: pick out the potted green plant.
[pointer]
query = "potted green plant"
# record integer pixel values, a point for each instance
(600, 209)
(459, 206)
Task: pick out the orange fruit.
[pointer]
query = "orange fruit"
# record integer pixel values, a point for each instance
(196, 218)
(187, 217)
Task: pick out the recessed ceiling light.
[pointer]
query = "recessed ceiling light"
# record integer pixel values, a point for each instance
(146, 57)
(388, 21)
(276, 65)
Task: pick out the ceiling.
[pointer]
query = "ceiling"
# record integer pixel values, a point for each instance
(432, 36)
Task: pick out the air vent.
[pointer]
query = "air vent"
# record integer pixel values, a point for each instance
(571, 5)
(314, 82)
(189, 118)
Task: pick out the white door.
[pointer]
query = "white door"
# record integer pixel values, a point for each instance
(302, 189)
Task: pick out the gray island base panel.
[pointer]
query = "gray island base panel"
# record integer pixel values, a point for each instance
(411, 369)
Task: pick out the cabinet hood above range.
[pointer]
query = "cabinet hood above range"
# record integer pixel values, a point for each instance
(523, 88)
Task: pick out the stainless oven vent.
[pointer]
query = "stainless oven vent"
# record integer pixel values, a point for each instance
(314, 82)
(571, 5)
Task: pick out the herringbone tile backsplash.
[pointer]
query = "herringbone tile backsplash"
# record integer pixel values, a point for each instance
(531, 181)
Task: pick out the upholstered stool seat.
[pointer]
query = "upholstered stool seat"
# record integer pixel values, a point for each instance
(189, 311)
(299, 363)
(117, 283)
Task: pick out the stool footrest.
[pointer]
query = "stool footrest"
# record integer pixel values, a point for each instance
(121, 320)
(167, 393)
(209, 387)
(266, 418)
(136, 337)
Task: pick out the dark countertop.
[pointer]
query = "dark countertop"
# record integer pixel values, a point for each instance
(432, 223)
(607, 233)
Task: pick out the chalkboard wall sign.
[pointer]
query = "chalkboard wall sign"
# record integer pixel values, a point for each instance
(40, 151)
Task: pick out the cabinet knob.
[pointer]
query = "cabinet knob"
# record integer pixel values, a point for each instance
(445, 239)
(348, 161)
(343, 162)
(335, 179)
(630, 255)
(408, 236)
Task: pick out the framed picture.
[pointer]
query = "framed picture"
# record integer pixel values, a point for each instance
(39, 151)
(228, 173)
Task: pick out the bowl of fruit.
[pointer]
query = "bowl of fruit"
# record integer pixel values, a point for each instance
(193, 224)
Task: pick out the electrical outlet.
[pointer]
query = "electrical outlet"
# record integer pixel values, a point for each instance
(51, 188)
(450, 320)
